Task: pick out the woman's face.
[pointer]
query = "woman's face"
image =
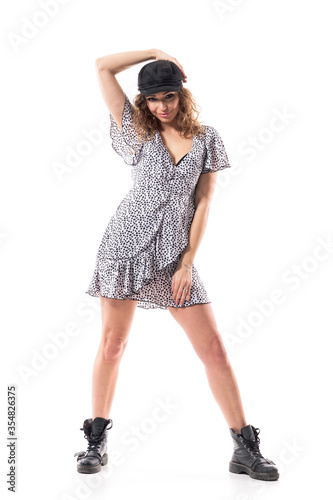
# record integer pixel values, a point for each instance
(163, 103)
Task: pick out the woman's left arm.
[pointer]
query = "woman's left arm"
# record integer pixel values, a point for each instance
(203, 196)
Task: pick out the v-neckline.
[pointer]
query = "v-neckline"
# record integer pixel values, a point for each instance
(175, 165)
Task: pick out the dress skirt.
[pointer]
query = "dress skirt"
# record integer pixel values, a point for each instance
(154, 294)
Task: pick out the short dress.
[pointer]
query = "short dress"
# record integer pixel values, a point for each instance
(145, 237)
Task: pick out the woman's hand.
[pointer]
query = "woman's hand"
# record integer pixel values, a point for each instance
(182, 279)
(160, 55)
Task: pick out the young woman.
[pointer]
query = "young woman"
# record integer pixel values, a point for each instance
(146, 256)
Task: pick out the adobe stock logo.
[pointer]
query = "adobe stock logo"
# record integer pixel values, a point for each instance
(75, 155)
(31, 27)
(225, 7)
(277, 124)
(50, 351)
(293, 278)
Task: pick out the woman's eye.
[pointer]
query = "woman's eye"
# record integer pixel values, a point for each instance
(153, 98)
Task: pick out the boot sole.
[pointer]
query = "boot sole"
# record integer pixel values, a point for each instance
(91, 469)
(265, 476)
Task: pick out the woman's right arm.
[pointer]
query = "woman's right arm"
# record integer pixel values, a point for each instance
(107, 67)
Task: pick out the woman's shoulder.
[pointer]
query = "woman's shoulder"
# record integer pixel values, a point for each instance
(209, 129)
(206, 133)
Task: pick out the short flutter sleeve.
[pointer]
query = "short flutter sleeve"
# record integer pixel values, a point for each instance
(123, 141)
(216, 157)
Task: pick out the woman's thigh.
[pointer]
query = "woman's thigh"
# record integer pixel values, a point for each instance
(198, 322)
(117, 317)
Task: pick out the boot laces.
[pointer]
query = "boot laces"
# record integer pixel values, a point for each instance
(93, 442)
(253, 446)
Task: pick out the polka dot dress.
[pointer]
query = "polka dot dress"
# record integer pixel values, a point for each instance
(145, 237)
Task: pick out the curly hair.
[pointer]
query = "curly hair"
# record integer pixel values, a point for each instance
(145, 122)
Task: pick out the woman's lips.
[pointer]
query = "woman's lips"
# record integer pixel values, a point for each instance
(164, 114)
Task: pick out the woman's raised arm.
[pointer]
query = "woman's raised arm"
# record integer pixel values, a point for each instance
(107, 67)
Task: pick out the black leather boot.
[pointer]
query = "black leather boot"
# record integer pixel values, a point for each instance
(95, 431)
(247, 458)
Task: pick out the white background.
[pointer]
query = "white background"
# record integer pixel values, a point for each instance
(248, 64)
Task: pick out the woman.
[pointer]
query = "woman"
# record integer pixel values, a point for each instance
(147, 252)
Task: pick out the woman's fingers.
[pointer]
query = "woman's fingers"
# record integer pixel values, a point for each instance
(184, 295)
(181, 285)
(181, 69)
(179, 295)
(160, 55)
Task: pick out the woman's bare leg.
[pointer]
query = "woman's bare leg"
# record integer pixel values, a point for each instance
(199, 324)
(117, 318)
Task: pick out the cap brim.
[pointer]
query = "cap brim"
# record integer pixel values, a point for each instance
(160, 89)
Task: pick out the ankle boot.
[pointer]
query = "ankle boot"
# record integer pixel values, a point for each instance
(95, 431)
(247, 458)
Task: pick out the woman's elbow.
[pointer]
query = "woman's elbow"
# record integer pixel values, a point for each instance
(99, 62)
(203, 205)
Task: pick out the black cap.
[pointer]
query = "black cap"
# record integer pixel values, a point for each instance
(158, 76)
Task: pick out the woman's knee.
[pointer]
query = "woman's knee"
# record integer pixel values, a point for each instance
(215, 352)
(113, 347)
